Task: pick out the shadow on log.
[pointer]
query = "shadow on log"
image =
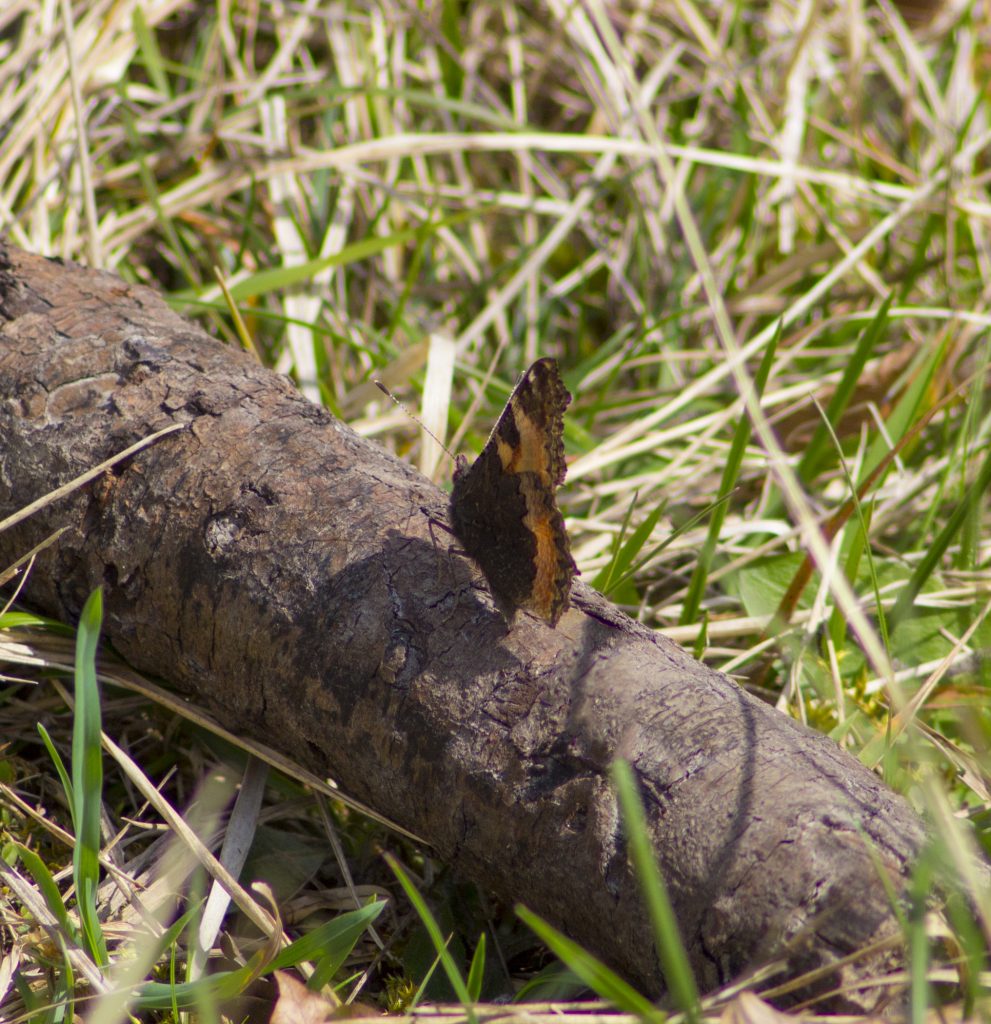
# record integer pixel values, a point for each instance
(279, 569)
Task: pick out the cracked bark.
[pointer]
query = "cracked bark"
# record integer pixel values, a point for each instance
(279, 570)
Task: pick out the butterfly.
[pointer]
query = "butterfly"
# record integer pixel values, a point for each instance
(503, 509)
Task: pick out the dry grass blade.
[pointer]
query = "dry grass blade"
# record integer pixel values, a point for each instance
(84, 478)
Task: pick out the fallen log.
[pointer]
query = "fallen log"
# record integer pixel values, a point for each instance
(280, 570)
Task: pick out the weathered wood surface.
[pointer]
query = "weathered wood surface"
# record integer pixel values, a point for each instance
(279, 569)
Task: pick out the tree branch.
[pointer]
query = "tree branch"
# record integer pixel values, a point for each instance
(279, 569)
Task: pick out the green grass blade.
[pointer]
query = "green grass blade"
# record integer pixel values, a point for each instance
(667, 938)
(63, 772)
(626, 550)
(203, 994)
(606, 983)
(809, 463)
(330, 944)
(421, 990)
(65, 986)
(211, 988)
(604, 577)
(857, 546)
(971, 441)
(34, 1002)
(170, 937)
(343, 931)
(150, 53)
(920, 998)
(476, 973)
(87, 776)
(436, 937)
(266, 281)
(25, 620)
(968, 934)
(151, 191)
(451, 70)
(935, 551)
(48, 888)
(855, 549)
(731, 473)
(905, 413)
(702, 637)
(555, 983)
(634, 564)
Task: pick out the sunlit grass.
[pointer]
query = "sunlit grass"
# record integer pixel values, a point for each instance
(757, 241)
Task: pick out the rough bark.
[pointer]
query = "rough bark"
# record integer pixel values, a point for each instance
(280, 569)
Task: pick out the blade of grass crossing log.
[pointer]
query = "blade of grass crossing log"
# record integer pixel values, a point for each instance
(606, 983)
(87, 776)
(436, 937)
(731, 473)
(920, 895)
(667, 938)
(967, 932)
(84, 478)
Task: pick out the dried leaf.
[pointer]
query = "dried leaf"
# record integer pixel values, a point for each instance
(297, 1004)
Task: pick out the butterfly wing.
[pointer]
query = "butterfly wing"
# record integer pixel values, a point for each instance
(503, 508)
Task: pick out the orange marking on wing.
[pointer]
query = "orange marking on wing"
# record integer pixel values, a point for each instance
(530, 456)
(545, 560)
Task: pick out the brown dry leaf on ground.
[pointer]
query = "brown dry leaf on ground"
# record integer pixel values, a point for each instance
(296, 1004)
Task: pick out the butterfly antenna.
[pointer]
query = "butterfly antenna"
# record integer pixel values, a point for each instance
(416, 419)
